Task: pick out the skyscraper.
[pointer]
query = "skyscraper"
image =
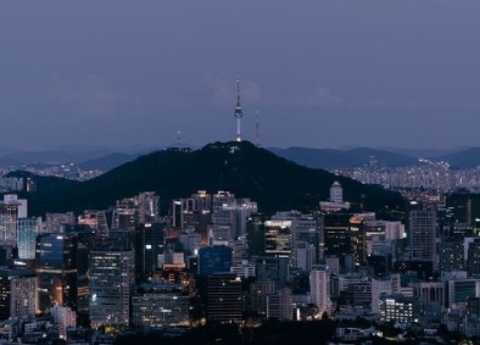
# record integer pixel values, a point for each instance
(148, 244)
(214, 259)
(320, 288)
(26, 238)
(224, 295)
(56, 271)
(11, 208)
(18, 293)
(111, 284)
(423, 233)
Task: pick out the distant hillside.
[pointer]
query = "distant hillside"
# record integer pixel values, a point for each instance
(53, 157)
(318, 158)
(464, 159)
(108, 162)
(333, 159)
(275, 183)
(384, 158)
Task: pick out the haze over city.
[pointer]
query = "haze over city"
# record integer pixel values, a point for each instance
(321, 74)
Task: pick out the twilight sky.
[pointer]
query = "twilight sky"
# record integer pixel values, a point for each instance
(321, 73)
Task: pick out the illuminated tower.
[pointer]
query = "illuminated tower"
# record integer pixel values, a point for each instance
(238, 114)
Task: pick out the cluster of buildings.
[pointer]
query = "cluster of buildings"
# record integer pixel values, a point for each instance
(429, 181)
(216, 258)
(69, 171)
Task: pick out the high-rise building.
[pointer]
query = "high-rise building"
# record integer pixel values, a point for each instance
(214, 259)
(291, 234)
(97, 220)
(148, 207)
(55, 223)
(229, 215)
(224, 298)
(125, 214)
(259, 291)
(63, 318)
(191, 241)
(193, 212)
(335, 203)
(256, 236)
(279, 305)
(27, 237)
(140, 209)
(337, 237)
(160, 304)
(11, 209)
(451, 253)
(278, 238)
(111, 283)
(18, 293)
(149, 239)
(463, 207)
(56, 271)
(336, 193)
(423, 233)
(473, 259)
(320, 288)
(272, 268)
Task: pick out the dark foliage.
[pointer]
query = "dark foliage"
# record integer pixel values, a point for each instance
(271, 332)
(247, 171)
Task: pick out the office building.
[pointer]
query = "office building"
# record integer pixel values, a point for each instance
(149, 241)
(191, 241)
(337, 237)
(259, 291)
(18, 293)
(423, 233)
(63, 318)
(399, 308)
(279, 305)
(272, 268)
(56, 223)
(11, 209)
(451, 254)
(111, 284)
(27, 237)
(463, 207)
(320, 288)
(56, 271)
(224, 298)
(214, 259)
(473, 259)
(160, 309)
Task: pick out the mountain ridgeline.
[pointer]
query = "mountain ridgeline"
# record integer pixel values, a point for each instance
(247, 171)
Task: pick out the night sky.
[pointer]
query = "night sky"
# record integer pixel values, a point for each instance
(321, 73)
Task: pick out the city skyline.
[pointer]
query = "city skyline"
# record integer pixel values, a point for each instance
(320, 74)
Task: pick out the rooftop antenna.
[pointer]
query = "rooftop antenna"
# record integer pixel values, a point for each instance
(257, 128)
(238, 114)
(179, 140)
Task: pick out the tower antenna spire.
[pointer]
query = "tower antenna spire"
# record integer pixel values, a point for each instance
(179, 140)
(238, 114)
(257, 128)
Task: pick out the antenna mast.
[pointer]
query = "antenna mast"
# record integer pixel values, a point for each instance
(238, 114)
(257, 128)
(179, 140)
